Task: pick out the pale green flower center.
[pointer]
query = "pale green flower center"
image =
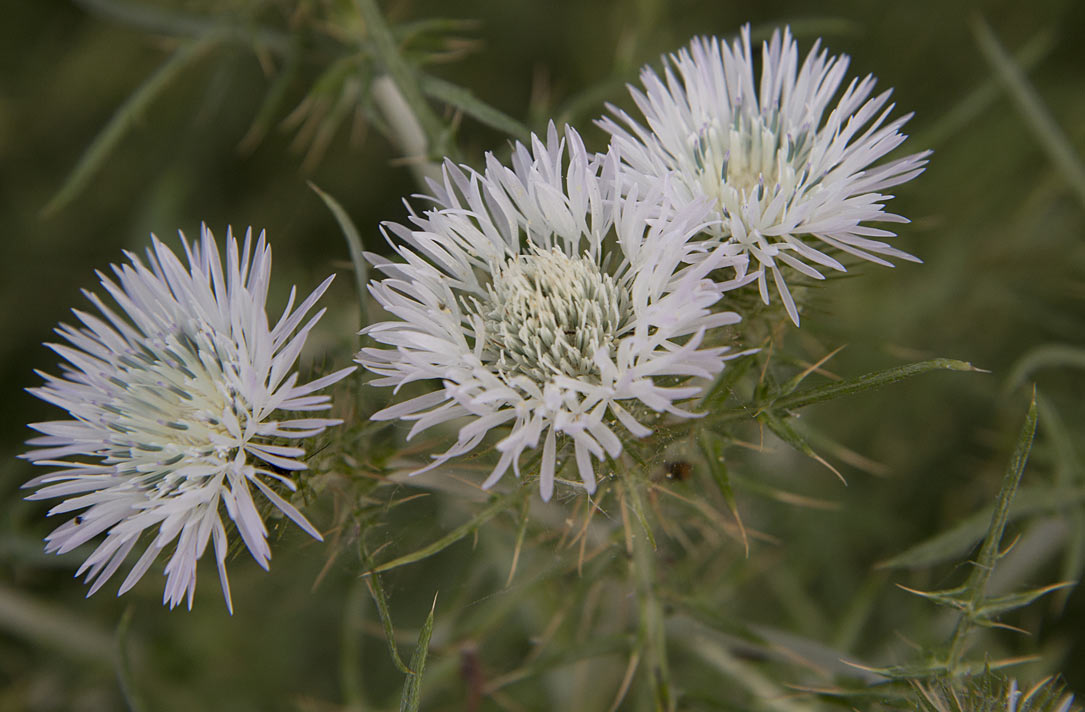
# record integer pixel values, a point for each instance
(548, 314)
(168, 413)
(748, 158)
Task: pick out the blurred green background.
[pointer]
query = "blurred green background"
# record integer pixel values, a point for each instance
(998, 218)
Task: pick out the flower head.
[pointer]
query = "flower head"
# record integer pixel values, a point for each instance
(173, 401)
(789, 174)
(549, 297)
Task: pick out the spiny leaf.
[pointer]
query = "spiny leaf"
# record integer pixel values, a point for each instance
(770, 398)
(126, 116)
(869, 382)
(354, 246)
(938, 669)
(992, 607)
(520, 534)
(376, 590)
(984, 565)
(989, 552)
(914, 671)
(951, 597)
(412, 686)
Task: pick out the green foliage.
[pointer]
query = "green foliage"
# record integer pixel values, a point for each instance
(354, 247)
(716, 567)
(126, 116)
(412, 687)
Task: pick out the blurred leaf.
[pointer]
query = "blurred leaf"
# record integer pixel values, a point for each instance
(593, 647)
(759, 685)
(54, 626)
(1067, 469)
(499, 505)
(1046, 130)
(812, 27)
(342, 86)
(462, 99)
(586, 102)
(792, 437)
(407, 32)
(124, 664)
(975, 103)
(956, 541)
(412, 687)
(268, 113)
(130, 112)
(354, 246)
(1046, 356)
(177, 23)
(759, 487)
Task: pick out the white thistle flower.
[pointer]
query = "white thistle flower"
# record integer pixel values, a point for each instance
(785, 169)
(548, 297)
(173, 401)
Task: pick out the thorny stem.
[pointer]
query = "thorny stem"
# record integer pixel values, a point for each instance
(650, 634)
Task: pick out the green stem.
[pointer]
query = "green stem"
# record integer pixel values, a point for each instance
(651, 634)
(350, 648)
